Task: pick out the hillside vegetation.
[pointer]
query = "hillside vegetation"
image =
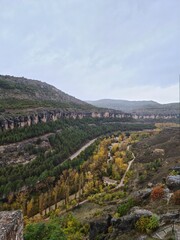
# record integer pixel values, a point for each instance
(40, 173)
(22, 93)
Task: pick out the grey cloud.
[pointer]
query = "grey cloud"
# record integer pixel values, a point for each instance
(88, 48)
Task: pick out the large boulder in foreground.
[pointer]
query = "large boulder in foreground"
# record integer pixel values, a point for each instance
(127, 222)
(170, 217)
(11, 225)
(142, 194)
(173, 182)
(99, 228)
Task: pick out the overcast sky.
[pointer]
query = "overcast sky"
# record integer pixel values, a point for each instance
(93, 49)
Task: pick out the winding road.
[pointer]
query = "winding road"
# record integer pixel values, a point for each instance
(82, 149)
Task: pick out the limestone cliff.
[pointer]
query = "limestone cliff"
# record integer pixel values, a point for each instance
(11, 225)
(33, 118)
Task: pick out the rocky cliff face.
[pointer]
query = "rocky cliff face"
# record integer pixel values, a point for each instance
(126, 224)
(53, 115)
(173, 182)
(11, 225)
(30, 119)
(155, 116)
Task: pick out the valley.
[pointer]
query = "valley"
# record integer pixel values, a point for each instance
(73, 171)
(132, 192)
(89, 120)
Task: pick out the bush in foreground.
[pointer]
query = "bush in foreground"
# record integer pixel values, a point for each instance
(125, 207)
(176, 197)
(147, 224)
(57, 228)
(157, 192)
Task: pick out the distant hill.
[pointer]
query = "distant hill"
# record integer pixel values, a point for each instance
(141, 107)
(22, 93)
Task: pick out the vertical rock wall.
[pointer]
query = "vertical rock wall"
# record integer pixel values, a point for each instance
(46, 116)
(11, 225)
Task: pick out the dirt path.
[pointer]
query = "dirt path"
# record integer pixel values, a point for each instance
(17, 153)
(33, 139)
(121, 184)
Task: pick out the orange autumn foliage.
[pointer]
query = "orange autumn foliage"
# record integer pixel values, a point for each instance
(157, 192)
(176, 197)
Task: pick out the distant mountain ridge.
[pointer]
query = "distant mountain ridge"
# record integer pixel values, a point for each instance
(139, 107)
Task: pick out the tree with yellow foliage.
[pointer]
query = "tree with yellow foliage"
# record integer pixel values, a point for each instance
(30, 205)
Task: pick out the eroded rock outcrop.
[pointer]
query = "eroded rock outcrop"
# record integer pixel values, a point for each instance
(141, 194)
(173, 182)
(11, 225)
(155, 116)
(53, 115)
(127, 222)
(170, 217)
(99, 227)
